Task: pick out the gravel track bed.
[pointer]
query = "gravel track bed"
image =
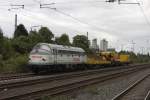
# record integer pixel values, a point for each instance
(54, 83)
(108, 89)
(139, 92)
(147, 96)
(45, 85)
(4, 77)
(46, 78)
(9, 76)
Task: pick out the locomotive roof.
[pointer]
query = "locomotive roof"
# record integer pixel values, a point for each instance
(62, 47)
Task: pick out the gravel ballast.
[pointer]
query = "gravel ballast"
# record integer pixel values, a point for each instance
(108, 89)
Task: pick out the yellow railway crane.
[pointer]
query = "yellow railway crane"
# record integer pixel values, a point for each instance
(107, 58)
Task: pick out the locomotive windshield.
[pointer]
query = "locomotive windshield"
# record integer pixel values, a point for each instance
(41, 49)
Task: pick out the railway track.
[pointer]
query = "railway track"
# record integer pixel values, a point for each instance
(147, 96)
(15, 76)
(13, 83)
(6, 77)
(58, 86)
(136, 91)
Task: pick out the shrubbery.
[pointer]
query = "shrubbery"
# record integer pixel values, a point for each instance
(13, 65)
(14, 52)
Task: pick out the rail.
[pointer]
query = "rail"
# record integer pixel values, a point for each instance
(71, 85)
(117, 97)
(147, 96)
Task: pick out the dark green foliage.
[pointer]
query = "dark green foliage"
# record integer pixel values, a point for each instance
(8, 50)
(35, 38)
(1, 40)
(33, 32)
(63, 40)
(46, 35)
(1, 34)
(14, 52)
(15, 64)
(22, 44)
(20, 31)
(82, 42)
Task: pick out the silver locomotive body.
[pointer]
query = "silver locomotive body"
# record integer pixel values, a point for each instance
(51, 56)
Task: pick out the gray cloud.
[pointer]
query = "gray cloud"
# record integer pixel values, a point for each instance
(114, 22)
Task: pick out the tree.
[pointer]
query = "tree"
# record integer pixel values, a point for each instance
(63, 40)
(1, 34)
(8, 50)
(46, 34)
(35, 38)
(22, 44)
(33, 32)
(20, 31)
(1, 41)
(82, 42)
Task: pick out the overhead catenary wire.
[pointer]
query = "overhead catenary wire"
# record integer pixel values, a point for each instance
(9, 3)
(77, 2)
(144, 14)
(28, 14)
(29, 10)
(67, 15)
(40, 1)
(80, 21)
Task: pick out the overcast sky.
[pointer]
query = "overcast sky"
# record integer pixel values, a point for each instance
(119, 24)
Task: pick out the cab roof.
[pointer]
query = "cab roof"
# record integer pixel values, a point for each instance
(62, 47)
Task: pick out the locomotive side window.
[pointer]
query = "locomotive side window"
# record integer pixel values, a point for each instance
(69, 53)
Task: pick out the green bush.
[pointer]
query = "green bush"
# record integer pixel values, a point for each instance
(21, 44)
(7, 50)
(14, 65)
